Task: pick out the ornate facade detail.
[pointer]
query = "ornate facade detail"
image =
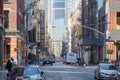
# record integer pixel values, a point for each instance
(14, 33)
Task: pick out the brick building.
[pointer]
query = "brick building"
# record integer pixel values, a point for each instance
(110, 12)
(14, 29)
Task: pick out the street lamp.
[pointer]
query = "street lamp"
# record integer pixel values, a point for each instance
(102, 33)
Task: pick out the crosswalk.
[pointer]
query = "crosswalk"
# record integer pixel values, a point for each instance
(67, 72)
(60, 68)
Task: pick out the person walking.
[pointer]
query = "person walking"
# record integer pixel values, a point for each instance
(13, 63)
(9, 66)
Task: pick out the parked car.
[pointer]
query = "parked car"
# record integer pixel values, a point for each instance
(106, 71)
(58, 59)
(26, 73)
(118, 76)
(48, 60)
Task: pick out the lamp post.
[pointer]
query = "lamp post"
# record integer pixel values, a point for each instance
(79, 33)
(102, 33)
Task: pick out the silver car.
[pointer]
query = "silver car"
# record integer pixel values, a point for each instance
(106, 71)
(26, 73)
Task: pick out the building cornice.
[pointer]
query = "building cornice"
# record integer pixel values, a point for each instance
(14, 33)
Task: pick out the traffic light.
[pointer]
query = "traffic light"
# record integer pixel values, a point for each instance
(79, 31)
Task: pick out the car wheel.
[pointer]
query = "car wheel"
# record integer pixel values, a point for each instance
(98, 78)
(95, 77)
(43, 64)
(51, 64)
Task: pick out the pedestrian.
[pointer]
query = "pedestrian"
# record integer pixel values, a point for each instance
(8, 77)
(82, 60)
(13, 62)
(84, 65)
(9, 66)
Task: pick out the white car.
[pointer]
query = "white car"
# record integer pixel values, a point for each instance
(106, 71)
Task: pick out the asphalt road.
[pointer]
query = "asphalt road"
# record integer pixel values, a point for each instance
(67, 72)
(63, 72)
(3, 74)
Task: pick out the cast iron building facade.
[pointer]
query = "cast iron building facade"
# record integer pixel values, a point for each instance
(87, 42)
(1, 36)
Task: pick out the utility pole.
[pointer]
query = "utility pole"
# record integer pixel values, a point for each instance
(103, 34)
(1, 36)
(104, 48)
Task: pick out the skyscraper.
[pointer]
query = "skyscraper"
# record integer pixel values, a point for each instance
(55, 12)
(57, 15)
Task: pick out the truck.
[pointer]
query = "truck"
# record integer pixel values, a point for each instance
(71, 57)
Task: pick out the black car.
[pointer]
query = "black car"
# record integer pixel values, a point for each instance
(48, 60)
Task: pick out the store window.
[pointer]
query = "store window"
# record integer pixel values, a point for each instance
(118, 14)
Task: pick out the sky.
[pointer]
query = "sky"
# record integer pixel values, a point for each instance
(100, 3)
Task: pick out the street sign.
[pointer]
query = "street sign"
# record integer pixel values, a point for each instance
(79, 31)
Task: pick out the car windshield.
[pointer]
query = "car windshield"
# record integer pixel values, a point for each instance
(108, 67)
(48, 58)
(31, 71)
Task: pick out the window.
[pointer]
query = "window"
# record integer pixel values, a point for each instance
(42, 30)
(7, 51)
(31, 71)
(6, 19)
(59, 13)
(42, 37)
(5, 1)
(38, 35)
(59, 5)
(118, 14)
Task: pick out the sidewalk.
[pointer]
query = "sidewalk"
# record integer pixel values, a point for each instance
(3, 74)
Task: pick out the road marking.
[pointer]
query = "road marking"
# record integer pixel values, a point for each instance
(3, 71)
(59, 67)
(64, 72)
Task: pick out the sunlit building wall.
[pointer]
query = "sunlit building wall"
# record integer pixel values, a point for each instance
(14, 30)
(110, 12)
(70, 8)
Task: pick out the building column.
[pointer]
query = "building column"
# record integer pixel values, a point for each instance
(1, 36)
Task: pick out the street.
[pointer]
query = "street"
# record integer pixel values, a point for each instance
(3, 75)
(61, 71)
(67, 72)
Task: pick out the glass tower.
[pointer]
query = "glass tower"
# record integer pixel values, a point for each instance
(58, 16)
